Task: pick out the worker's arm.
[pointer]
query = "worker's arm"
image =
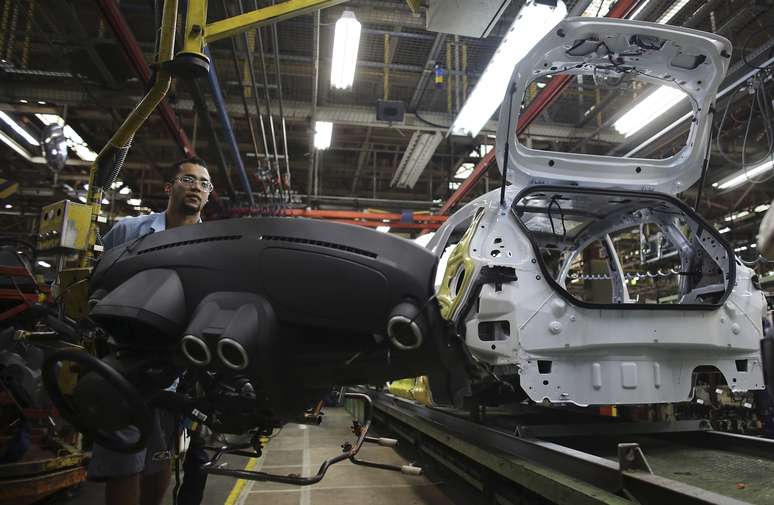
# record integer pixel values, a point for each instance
(116, 236)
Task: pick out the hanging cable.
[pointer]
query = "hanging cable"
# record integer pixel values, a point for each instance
(259, 39)
(256, 98)
(243, 95)
(275, 43)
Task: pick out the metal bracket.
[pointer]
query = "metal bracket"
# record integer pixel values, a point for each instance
(631, 457)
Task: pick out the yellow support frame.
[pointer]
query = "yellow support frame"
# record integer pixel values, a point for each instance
(198, 33)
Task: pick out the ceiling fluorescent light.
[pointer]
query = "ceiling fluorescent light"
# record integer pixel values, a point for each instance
(5, 139)
(671, 12)
(648, 109)
(639, 8)
(598, 8)
(420, 149)
(74, 141)
(464, 171)
(383, 229)
(134, 202)
(346, 40)
(724, 230)
(743, 176)
(323, 130)
(18, 129)
(531, 24)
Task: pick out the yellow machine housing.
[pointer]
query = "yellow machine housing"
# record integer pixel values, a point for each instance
(64, 225)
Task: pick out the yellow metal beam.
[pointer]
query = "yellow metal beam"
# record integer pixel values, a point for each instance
(268, 15)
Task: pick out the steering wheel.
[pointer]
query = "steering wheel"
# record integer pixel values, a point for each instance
(131, 402)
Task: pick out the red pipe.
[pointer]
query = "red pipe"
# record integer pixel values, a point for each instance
(113, 16)
(541, 101)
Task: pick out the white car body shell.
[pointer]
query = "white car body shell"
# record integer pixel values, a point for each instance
(603, 355)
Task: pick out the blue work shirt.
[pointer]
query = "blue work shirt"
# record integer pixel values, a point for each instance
(133, 227)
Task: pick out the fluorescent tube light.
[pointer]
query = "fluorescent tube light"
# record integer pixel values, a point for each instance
(134, 202)
(44, 264)
(743, 176)
(346, 40)
(323, 130)
(125, 190)
(671, 12)
(18, 129)
(639, 8)
(464, 171)
(648, 109)
(531, 24)
(598, 8)
(737, 216)
(724, 230)
(383, 229)
(762, 207)
(419, 151)
(74, 141)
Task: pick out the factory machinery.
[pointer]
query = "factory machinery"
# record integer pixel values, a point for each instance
(259, 318)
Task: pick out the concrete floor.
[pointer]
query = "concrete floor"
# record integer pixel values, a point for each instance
(300, 450)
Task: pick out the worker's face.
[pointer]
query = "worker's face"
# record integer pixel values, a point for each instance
(189, 197)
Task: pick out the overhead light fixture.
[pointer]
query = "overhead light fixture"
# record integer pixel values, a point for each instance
(419, 151)
(44, 264)
(740, 248)
(464, 171)
(74, 141)
(82, 199)
(531, 24)
(18, 129)
(671, 12)
(134, 202)
(762, 208)
(639, 8)
(323, 130)
(346, 40)
(8, 206)
(7, 140)
(648, 109)
(736, 216)
(23, 101)
(125, 190)
(598, 8)
(383, 229)
(743, 176)
(724, 230)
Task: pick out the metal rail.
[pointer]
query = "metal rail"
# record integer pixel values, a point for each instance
(560, 473)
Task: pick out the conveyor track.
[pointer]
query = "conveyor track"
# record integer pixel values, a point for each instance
(664, 467)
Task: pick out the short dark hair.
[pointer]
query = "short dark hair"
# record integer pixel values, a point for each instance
(171, 171)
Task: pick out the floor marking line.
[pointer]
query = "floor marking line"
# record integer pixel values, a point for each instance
(239, 484)
(306, 495)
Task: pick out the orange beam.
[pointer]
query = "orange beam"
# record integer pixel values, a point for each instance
(348, 214)
(392, 225)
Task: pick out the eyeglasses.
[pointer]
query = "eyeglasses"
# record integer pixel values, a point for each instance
(191, 181)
